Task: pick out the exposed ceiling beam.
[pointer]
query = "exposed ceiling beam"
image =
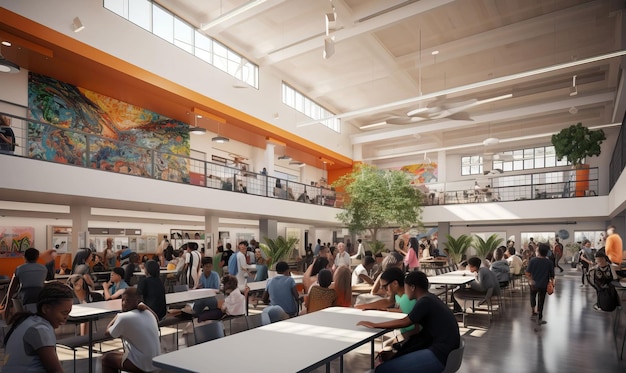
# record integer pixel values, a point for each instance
(509, 114)
(355, 30)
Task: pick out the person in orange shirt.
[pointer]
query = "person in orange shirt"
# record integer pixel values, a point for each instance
(613, 246)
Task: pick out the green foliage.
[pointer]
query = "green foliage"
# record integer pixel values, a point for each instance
(277, 249)
(485, 247)
(577, 143)
(377, 199)
(456, 247)
(376, 247)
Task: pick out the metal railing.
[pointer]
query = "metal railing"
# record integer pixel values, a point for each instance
(78, 148)
(93, 151)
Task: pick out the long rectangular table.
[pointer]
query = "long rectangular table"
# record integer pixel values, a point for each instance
(90, 312)
(311, 341)
(450, 281)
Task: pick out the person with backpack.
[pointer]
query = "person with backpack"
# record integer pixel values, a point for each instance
(585, 258)
(600, 278)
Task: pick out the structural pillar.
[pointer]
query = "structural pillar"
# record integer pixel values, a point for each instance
(269, 158)
(443, 230)
(211, 234)
(80, 226)
(268, 228)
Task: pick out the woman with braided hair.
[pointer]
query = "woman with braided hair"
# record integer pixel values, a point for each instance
(30, 343)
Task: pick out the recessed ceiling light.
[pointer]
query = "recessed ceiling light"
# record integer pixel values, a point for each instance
(434, 53)
(6, 43)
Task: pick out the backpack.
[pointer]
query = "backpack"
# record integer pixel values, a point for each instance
(233, 268)
(607, 298)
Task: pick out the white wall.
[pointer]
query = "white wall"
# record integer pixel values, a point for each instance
(122, 39)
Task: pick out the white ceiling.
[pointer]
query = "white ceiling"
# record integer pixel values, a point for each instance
(383, 54)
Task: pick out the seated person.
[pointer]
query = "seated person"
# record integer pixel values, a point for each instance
(281, 290)
(234, 304)
(209, 279)
(321, 296)
(114, 288)
(261, 266)
(500, 267)
(514, 261)
(7, 136)
(600, 276)
(477, 288)
(310, 275)
(428, 350)
(152, 290)
(29, 279)
(342, 284)
(394, 259)
(392, 281)
(30, 344)
(361, 272)
(138, 327)
(98, 265)
(64, 270)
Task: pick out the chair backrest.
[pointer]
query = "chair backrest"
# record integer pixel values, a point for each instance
(179, 288)
(455, 358)
(254, 321)
(438, 271)
(208, 332)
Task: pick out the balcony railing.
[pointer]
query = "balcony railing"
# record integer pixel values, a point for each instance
(89, 151)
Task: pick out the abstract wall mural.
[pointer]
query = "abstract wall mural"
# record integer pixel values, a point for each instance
(15, 240)
(423, 173)
(89, 129)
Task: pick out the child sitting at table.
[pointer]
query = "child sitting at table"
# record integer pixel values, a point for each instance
(233, 304)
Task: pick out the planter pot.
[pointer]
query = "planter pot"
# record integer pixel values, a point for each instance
(582, 180)
(271, 273)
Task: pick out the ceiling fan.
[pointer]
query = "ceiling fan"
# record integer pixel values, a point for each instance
(442, 107)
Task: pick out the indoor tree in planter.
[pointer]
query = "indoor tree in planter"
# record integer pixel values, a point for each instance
(577, 142)
(484, 247)
(276, 250)
(456, 247)
(378, 199)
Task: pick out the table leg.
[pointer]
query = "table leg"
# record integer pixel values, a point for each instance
(341, 364)
(328, 367)
(372, 356)
(90, 346)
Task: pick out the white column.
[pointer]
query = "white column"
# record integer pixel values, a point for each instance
(80, 226)
(269, 158)
(211, 234)
(357, 152)
(441, 166)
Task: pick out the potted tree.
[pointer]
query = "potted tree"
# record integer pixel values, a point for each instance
(577, 142)
(456, 247)
(276, 250)
(484, 247)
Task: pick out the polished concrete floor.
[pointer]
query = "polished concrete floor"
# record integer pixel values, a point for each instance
(575, 339)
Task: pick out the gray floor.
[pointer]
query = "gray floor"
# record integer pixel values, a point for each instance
(575, 339)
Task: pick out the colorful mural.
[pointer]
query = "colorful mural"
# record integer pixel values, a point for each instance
(15, 240)
(423, 173)
(93, 130)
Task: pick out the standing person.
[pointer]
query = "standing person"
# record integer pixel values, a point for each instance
(80, 266)
(226, 255)
(138, 327)
(342, 258)
(411, 260)
(192, 264)
(428, 350)
(613, 247)
(152, 290)
(238, 265)
(558, 253)
(48, 258)
(30, 344)
(316, 252)
(217, 259)
(540, 272)
(7, 136)
(114, 288)
(360, 251)
(161, 249)
(281, 290)
(585, 258)
(110, 256)
(30, 277)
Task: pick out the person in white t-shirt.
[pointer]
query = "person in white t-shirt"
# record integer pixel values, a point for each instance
(138, 327)
(514, 261)
(342, 258)
(192, 264)
(361, 272)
